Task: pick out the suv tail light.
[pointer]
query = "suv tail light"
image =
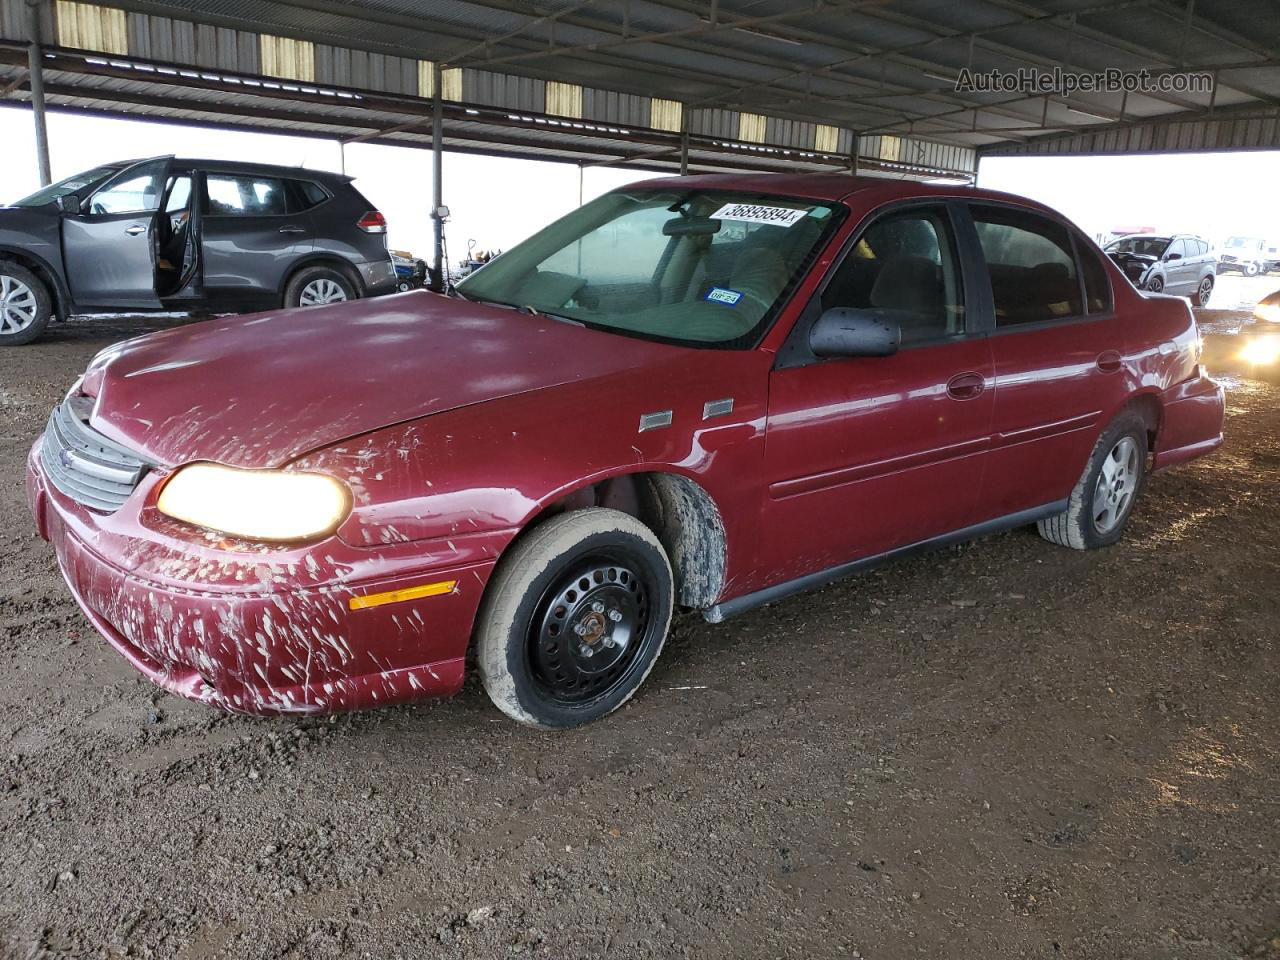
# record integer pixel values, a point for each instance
(372, 222)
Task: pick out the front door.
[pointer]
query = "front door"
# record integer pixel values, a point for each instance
(864, 455)
(110, 246)
(1059, 356)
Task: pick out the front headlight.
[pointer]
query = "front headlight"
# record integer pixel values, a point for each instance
(256, 504)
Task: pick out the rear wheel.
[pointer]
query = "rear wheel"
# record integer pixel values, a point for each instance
(574, 618)
(1103, 498)
(1204, 291)
(318, 286)
(25, 305)
(1250, 270)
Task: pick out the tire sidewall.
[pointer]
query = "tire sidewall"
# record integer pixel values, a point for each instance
(44, 305)
(293, 294)
(511, 628)
(1202, 298)
(1130, 425)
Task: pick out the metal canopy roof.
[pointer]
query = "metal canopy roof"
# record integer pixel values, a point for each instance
(751, 84)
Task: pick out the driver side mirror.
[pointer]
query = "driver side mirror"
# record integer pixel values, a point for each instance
(1173, 256)
(849, 332)
(70, 203)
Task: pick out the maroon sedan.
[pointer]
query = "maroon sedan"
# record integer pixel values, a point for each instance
(705, 393)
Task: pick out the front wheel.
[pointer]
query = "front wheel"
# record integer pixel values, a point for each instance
(1156, 284)
(1103, 497)
(318, 286)
(574, 618)
(1250, 270)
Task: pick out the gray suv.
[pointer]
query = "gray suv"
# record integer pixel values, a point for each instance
(187, 235)
(1182, 264)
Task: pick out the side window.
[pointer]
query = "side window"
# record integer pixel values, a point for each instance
(904, 264)
(308, 194)
(1029, 259)
(1177, 248)
(231, 196)
(178, 195)
(136, 190)
(1204, 248)
(1097, 287)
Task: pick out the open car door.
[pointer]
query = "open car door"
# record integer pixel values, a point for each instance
(110, 244)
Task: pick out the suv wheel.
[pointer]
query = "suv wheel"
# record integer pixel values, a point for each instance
(574, 618)
(1103, 498)
(25, 305)
(318, 286)
(1204, 291)
(1156, 284)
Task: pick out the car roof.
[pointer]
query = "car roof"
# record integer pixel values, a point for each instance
(239, 166)
(861, 191)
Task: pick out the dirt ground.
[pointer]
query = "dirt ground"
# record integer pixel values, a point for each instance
(1002, 750)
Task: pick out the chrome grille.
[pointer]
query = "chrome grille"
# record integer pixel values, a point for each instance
(84, 464)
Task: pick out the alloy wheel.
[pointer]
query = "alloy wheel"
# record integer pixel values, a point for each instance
(18, 305)
(1117, 483)
(590, 629)
(1206, 288)
(1155, 285)
(320, 291)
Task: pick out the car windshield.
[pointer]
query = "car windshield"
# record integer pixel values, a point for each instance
(70, 185)
(1243, 243)
(700, 267)
(1142, 246)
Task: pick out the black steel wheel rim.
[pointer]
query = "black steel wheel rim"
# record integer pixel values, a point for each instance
(590, 629)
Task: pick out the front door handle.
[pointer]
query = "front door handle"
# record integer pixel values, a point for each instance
(136, 229)
(1109, 361)
(293, 230)
(966, 386)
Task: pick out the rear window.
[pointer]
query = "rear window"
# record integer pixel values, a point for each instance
(1097, 287)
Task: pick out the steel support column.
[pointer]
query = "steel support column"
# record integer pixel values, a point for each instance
(36, 69)
(437, 174)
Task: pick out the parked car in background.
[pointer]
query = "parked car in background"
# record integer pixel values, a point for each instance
(707, 392)
(1182, 264)
(1249, 256)
(180, 235)
(411, 272)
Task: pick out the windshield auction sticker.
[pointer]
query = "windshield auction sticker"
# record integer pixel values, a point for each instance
(756, 213)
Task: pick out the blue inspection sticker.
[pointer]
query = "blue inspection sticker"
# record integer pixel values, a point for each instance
(729, 298)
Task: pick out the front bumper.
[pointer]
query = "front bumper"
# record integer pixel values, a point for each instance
(292, 646)
(1191, 421)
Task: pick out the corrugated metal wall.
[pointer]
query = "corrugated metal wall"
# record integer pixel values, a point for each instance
(181, 42)
(1226, 133)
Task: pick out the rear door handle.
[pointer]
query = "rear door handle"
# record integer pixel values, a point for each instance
(1109, 361)
(293, 230)
(966, 386)
(136, 229)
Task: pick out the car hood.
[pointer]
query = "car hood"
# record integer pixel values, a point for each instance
(261, 390)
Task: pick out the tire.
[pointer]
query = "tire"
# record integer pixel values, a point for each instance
(25, 305)
(1156, 284)
(1084, 525)
(1203, 292)
(319, 286)
(536, 599)
(1250, 270)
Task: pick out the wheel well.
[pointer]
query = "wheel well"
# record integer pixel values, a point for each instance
(1148, 407)
(46, 275)
(681, 514)
(337, 263)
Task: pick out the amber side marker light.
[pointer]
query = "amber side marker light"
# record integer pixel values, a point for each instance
(399, 596)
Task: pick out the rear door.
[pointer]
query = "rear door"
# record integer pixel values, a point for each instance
(1059, 356)
(250, 235)
(1178, 267)
(110, 246)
